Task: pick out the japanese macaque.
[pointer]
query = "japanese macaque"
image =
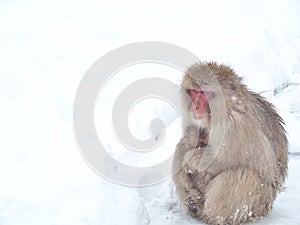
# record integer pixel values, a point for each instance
(231, 161)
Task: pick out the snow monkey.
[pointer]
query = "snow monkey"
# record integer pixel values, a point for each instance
(231, 161)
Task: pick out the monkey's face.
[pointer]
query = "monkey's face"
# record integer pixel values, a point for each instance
(200, 98)
(196, 102)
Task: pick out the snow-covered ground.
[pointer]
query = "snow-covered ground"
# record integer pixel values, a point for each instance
(47, 46)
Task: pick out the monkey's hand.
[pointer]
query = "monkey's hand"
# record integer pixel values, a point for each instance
(203, 138)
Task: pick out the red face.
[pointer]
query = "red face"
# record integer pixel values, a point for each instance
(200, 98)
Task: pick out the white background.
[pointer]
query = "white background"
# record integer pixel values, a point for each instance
(47, 46)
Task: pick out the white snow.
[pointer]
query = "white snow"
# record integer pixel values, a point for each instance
(233, 98)
(47, 46)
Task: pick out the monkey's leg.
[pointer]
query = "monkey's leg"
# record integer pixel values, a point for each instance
(237, 196)
(196, 196)
(191, 183)
(191, 190)
(183, 180)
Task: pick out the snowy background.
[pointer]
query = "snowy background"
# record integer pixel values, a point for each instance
(47, 46)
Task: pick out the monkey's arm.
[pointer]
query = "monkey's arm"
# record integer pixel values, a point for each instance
(192, 138)
(190, 183)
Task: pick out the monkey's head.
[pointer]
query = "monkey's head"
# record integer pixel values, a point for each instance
(202, 91)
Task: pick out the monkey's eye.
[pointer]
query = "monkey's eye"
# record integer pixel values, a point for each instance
(197, 91)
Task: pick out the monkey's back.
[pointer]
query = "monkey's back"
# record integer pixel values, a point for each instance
(251, 114)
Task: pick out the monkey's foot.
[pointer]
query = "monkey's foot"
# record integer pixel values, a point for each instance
(195, 202)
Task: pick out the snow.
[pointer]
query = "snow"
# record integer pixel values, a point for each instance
(47, 46)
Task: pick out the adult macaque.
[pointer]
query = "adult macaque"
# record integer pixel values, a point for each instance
(231, 161)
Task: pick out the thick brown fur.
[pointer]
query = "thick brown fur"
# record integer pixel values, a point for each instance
(236, 177)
